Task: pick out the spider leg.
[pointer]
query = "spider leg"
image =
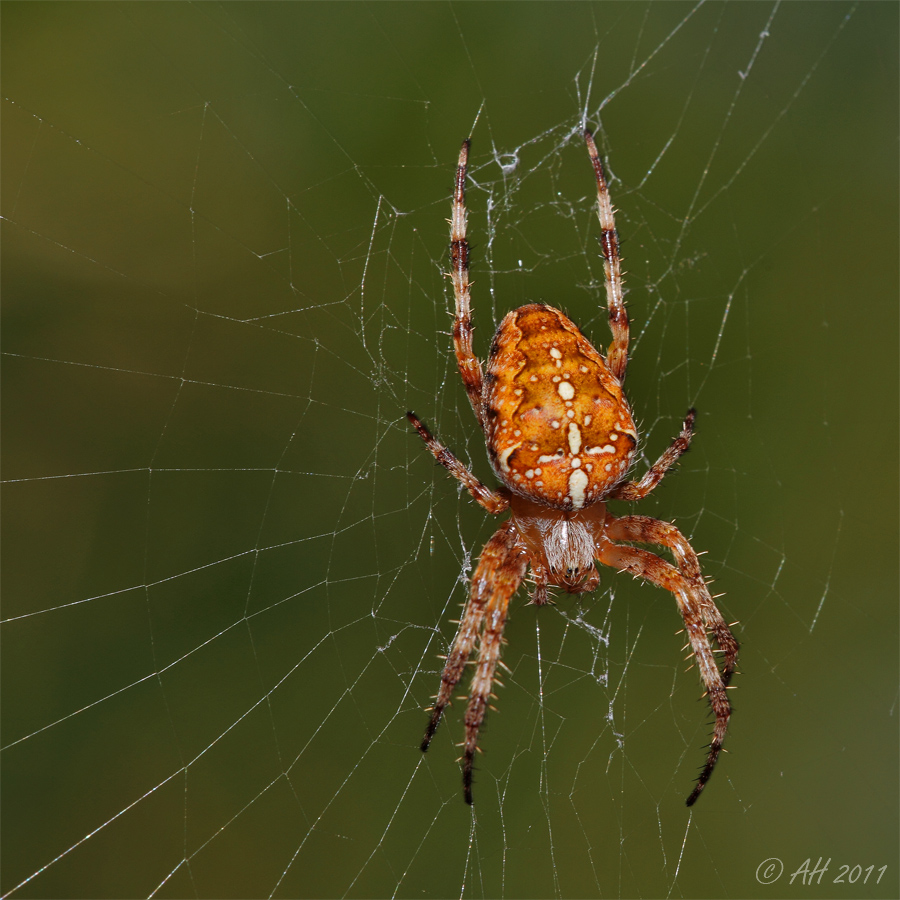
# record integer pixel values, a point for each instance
(617, 355)
(500, 580)
(501, 569)
(646, 565)
(653, 531)
(468, 364)
(492, 501)
(540, 596)
(637, 490)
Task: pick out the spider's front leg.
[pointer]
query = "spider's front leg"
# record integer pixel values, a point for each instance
(690, 600)
(652, 531)
(500, 572)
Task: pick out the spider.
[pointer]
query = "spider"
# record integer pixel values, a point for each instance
(561, 438)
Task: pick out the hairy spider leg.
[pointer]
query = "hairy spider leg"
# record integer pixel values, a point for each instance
(500, 571)
(499, 577)
(646, 565)
(617, 355)
(466, 361)
(493, 501)
(652, 531)
(637, 490)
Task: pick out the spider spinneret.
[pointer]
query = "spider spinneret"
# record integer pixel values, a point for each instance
(561, 438)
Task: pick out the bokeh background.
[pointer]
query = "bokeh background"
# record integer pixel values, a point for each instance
(229, 569)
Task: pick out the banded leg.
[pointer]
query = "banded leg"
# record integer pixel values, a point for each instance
(468, 364)
(502, 583)
(492, 501)
(637, 490)
(652, 531)
(500, 571)
(650, 567)
(617, 355)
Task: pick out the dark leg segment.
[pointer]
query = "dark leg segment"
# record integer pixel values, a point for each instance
(617, 355)
(468, 364)
(637, 490)
(492, 501)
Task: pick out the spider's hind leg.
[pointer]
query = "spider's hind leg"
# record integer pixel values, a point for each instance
(466, 361)
(617, 355)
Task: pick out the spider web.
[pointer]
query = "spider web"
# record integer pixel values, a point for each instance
(230, 569)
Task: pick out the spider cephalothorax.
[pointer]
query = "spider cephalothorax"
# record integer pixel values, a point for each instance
(561, 439)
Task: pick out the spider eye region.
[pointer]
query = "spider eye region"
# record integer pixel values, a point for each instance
(560, 431)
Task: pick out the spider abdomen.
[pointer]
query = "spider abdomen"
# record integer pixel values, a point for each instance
(560, 430)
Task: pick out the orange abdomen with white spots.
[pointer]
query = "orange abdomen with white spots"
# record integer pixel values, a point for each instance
(559, 428)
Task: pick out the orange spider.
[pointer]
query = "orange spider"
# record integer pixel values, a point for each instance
(561, 439)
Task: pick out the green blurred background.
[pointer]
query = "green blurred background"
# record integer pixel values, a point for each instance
(229, 568)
